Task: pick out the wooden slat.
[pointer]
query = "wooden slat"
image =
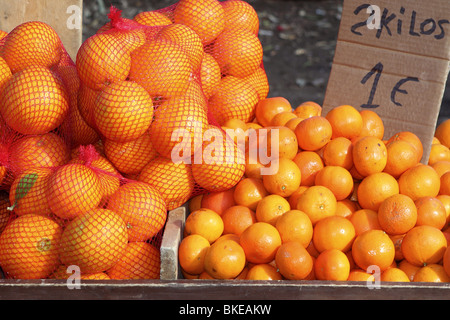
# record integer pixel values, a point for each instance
(65, 16)
(220, 290)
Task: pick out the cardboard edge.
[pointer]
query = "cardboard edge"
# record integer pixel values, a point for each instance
(173, 233)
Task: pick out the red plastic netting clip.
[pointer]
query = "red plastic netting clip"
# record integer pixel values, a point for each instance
(119, 23)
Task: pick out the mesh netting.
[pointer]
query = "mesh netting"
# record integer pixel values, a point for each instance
(93, 153)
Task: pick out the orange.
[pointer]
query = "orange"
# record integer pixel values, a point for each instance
(158, 63)
(332, 264)
(431, 273)
(346, 207)
(35, 101)
(108, 175)
(293, 198)
(445, 184)
(441, 167)
(293, 123)
(27, 193)
(446, 261)
(411, 138)
(72, 190)
(282, 118)
(431, 212)
(220, 201)
(209, 74)
(141, 260)
(32, 43)
(397, 240)
(263, 271)
(47, 150)
(132, 156)
(249, 191)
(365, 219)
(287, 142)
(105, 58)
(285, 181)
(3, 34)
(206, 223)
(225, 259)
(442, 133)
(253, 167)
(310, 163)
(223, 163)
(373, 247)
(228, 236)
(372, 124)
(187, 39)
(260, 242)
(94, 241)
(293, 261)
(408, 268)
(5, 73)
(271, 208)
(152, 18)
(64, 272)
(401, 155)
(174, 181)
(337, 179)
(4, 212)
(123, 111)
(234, 98)
(397, 214)
(29, 247)
(394, 275)
(360, 275)
(177, 129)
(240, 15)
(191, 253)
(238, 52)
(313, 133)
(375, 188)
(207, 18)
(308, 109)
(295, 225)
(318, 202)
(346, 121)
(86, 103)
(142, 207)
(438, 152)
(445, 199)
(424, 245)
(236, 219)
(195, 202)
(267, 108)
(259, 81)
(334, 232)
(369, 155)
(338, 152)
(419, 181)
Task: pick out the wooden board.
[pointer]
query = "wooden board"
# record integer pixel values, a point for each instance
(219, 290)
(65, 16)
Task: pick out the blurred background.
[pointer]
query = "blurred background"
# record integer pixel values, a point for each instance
(298, 39)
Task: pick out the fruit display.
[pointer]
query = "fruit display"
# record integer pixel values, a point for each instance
(173, 107)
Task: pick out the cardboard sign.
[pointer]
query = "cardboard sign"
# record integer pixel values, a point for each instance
(393, 57)
(65, 16)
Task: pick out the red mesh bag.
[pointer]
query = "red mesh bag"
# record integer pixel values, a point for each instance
(94, 153)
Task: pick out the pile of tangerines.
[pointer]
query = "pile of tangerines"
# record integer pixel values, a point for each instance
(345, 204)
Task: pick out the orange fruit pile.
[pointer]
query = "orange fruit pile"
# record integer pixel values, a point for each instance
(345, 204)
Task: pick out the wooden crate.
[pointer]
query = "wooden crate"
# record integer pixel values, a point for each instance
(172, 286)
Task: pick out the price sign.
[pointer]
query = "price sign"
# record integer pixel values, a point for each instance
(393, 57)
